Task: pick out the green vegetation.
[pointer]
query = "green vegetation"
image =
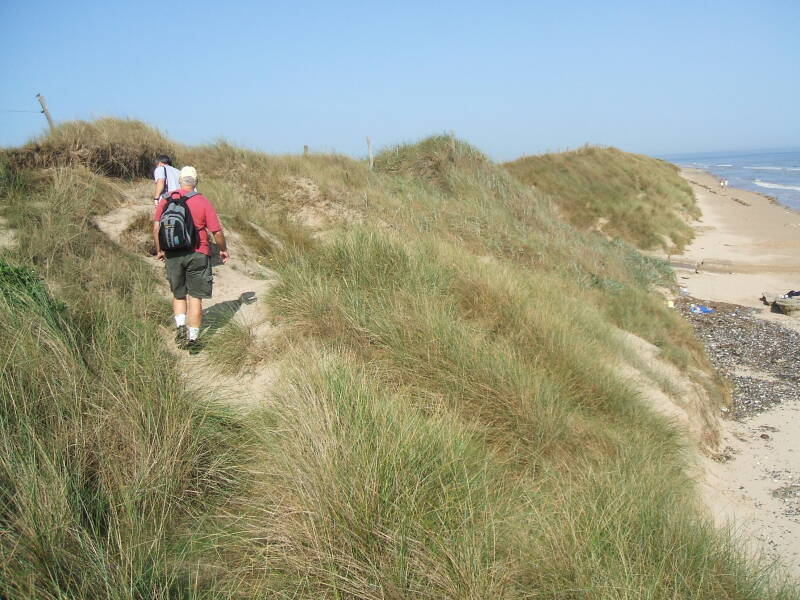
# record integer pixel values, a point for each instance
(637, 198)
(235, 348)
(106, 462)
(447, 420)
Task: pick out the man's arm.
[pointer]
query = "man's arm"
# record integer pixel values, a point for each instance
(214, 227)
(159, 252)
(161, 183)
(219, 240)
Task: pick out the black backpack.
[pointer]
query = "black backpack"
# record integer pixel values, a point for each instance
(176, 226)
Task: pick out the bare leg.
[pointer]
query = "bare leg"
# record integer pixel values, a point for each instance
(179, 306)
(194, 314)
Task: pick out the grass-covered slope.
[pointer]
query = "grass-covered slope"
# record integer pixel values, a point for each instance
(115, 147)
(106, 462)
(447, 421)
(637, 198)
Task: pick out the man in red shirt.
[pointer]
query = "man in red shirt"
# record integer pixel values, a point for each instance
(189, 271)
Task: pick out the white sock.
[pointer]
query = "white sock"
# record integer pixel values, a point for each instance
(194, 332)
(180, 320)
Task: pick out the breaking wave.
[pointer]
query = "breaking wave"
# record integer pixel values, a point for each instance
(776, 186)
(769, 168)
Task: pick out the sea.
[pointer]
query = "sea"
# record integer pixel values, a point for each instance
(775, 174)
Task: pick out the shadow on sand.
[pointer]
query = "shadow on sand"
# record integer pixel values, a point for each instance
(218, 315)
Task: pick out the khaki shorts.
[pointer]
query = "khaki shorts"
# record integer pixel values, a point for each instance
(190, 272)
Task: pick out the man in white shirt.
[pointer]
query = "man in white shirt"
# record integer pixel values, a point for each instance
(166, 177)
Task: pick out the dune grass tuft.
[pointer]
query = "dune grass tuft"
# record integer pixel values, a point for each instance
(372, 498)
(116, 147)
(235, 348)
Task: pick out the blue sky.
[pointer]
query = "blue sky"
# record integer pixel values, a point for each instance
(512, 78)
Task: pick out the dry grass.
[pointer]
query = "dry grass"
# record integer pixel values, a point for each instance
(446, 424)
(138, 236)
(114, 147)
(640, 199)
(106, 462)
(370, 497)
(236, 348)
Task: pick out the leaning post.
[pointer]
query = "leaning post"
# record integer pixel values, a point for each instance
(45, 111)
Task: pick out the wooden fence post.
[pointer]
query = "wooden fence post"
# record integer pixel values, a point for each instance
(369, 154)
(46, 112)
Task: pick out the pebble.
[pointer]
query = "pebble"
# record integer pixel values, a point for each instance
(734, 338)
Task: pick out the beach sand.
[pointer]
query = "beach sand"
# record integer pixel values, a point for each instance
(747, 244)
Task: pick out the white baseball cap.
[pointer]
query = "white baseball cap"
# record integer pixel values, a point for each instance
(189, 172)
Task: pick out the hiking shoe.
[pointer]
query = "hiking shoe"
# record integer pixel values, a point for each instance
(181, 336)
(193, 346)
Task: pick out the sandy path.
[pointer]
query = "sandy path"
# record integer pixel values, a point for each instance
(239, 286)
(746, 245)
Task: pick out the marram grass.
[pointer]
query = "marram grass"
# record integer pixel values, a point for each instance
(640, 199)
(446, 422)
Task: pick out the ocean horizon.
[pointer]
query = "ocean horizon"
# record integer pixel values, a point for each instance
(771, 173)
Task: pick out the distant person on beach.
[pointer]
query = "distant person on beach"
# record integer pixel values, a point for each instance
(188, 268)
(166, 177)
